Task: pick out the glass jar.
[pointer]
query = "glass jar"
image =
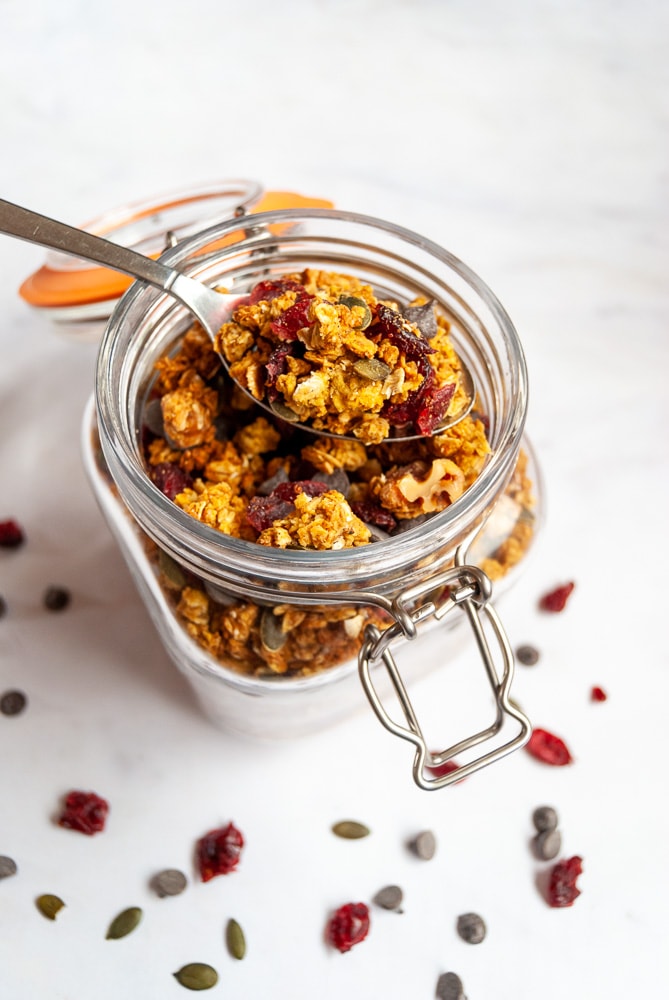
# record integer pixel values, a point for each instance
(392, 590)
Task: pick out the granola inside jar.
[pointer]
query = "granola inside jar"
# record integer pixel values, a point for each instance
(266, 554)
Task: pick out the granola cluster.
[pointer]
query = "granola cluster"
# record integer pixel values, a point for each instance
(265, 481)
(322, 349)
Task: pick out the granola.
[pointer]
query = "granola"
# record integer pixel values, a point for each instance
(360, 365)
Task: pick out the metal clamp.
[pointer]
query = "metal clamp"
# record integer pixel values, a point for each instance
(468, 588)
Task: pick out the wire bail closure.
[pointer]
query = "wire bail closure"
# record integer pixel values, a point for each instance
(468, 588)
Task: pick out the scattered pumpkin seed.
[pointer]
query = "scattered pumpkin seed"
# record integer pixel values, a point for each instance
(284, 412)
(389, 898)
(197, 976)
(49, 905)
(349, 829)
(351, 301)
(169, 882)
(173, 575)
(7, 866)
(125, 923)
(372, 368)
(235, 940)
(272, 635)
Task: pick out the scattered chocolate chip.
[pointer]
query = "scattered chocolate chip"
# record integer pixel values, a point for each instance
(527, 655)
(471, 928)
(547, 844)
(7, 866)
(389, 898)
(11, 534)
(544, 818)
(169, 882)
(13, 702)
(424, 845)
(3, 607)
(449, 987)
(56, 598)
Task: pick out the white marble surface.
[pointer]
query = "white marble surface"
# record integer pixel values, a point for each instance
(531, 139)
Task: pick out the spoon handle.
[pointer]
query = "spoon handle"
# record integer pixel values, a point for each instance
(40, 229)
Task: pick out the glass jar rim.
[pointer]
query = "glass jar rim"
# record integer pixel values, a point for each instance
(295, 566)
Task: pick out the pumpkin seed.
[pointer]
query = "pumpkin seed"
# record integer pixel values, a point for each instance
(197, 976)
(271, 634)
(124, 923)
(235, 939)
(49, 905)
(172, 572)
(284, 412)
(351, 301)
(349, 829)
(372, 368)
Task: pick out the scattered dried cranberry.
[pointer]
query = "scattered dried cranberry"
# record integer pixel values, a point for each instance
(85, 812)
(548, 748)
(170, 479)
(556, 600)
(219, 851)
(262, 512)
(295, 318)
(448, 767)
(562, 889)
(598, 694)
(11, 535)
(349, 925)
(371, 513)
(268, 290)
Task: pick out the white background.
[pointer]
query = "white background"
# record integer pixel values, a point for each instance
(531, 139)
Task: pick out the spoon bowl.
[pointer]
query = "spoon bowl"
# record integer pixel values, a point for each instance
(210, 307)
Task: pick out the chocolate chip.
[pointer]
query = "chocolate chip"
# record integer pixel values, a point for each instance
(547, 844)
(3, 607)
(7, 866)
(423, 317)
(389, 898)
(424, 845)
(471, 928)
(544, 818)
(449, 987)
(13, 702)
(527, 655)
(169, 882)
(56, 598)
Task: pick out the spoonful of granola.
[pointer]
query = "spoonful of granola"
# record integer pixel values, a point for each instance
(316, 349)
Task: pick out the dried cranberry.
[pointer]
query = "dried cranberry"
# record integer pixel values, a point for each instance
(170, 479)
(262, 512)
(295, 318)
(276, 365)
(562, 889)
(556, 600)
(548, 748)
(219, 851)
(434, 404)
(401, 333)
(11, 535)
(598, 694)
(349, 925)
(448, 767)
(268, 290)
(85, 812)
(372, 513)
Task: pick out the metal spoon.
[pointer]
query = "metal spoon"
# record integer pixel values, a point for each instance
(210, 307)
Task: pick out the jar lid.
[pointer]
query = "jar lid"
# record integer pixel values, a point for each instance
(70, 290)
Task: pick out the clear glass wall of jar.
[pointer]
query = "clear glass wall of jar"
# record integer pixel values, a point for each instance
(395, 579)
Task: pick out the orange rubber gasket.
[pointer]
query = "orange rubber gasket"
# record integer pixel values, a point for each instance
(50, 288)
